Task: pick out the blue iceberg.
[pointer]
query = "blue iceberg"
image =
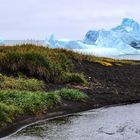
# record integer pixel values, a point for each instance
(123, 39)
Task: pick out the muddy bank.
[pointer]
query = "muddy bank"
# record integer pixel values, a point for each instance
(65, 109)
(107, 86)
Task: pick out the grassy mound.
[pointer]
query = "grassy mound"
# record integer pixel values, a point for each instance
(42, 63)
(68, 77)
(51, 65)
(31, 64)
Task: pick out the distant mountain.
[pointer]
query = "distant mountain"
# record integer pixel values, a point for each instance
(123, 39)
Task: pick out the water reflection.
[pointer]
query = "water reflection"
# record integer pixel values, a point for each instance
(47, 127)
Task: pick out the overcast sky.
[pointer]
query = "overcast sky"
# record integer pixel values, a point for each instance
(37, 19)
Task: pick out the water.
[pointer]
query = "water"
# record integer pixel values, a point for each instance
(19, 42)
(128, 57)
(112, 123)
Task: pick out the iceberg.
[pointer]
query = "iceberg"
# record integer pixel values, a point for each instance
(91, 37)
(1, 41)
(121, 40)
(51, 41)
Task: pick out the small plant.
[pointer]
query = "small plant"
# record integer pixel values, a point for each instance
(74, 78)
(6, 113)
(65, 62)
(52, 98)
(21, 83)
(25, 101)
(72, 94)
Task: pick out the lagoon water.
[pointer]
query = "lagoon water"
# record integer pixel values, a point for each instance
(112, 123)
(129, 57)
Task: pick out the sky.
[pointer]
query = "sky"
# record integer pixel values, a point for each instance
(37, 19)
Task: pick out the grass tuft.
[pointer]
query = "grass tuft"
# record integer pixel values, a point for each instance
(21, 83)
(25, 101)
(72, 94)
(74, 78)
(52, 98)
(15, 103)
(7, 113)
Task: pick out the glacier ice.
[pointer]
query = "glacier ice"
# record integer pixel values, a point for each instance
(123, 39)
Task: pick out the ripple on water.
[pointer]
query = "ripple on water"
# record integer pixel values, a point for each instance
(112, 123)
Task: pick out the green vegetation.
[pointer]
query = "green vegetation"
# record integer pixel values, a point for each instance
(68, 77)
(25, 101)
(21, 83)
(7, 113)
(15, 103)
(38, 62)
(26, 69)
(52, 98)
(47, 64)
(31, 64)
(71, 94)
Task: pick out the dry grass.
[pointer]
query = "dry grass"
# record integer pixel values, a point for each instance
(45, 63)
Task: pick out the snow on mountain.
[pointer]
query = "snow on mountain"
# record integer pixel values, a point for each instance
(123, 39)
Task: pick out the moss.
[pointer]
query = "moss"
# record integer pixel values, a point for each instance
(107, 64)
